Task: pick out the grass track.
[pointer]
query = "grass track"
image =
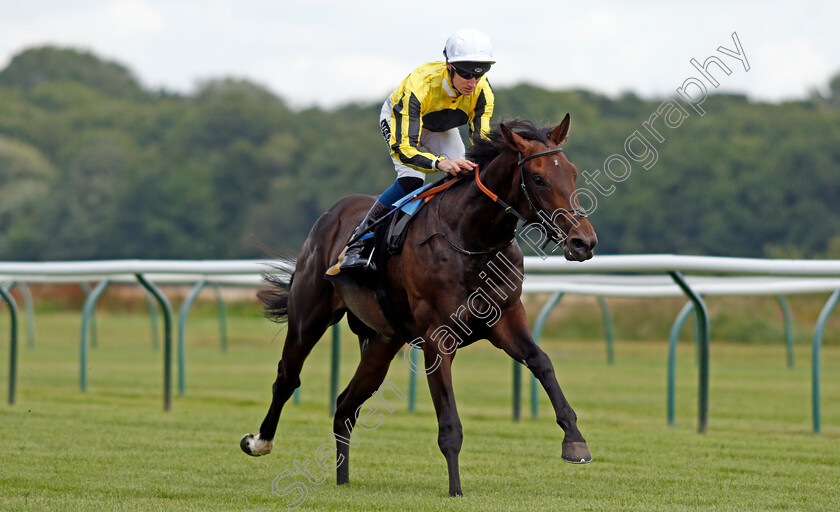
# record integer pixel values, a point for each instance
(114, 448)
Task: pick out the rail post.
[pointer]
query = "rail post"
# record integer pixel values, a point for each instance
(702, 315)
(672, 357)
(182, 327)
(815, 356)
(783, 303)
(335, 359)
(87, 315)
(412, 377)
(13, 344)
(29, 307)
(608, 329)
(220, 303)
(167, 339)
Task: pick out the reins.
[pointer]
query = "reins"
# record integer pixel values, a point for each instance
(554, 233)
(452, 244)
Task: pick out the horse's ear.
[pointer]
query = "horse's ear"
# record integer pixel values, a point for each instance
(514, 141)
(560, 132)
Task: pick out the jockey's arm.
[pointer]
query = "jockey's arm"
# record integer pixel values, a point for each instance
(406, 116)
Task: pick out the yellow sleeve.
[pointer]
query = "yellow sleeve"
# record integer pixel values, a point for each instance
(407, 121)
(482, 112)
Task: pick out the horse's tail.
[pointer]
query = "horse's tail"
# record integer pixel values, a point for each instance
(276, 298)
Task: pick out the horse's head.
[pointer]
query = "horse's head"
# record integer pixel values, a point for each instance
(547, 190)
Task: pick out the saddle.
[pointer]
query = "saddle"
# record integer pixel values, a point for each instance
(394, 232)
(389, 234)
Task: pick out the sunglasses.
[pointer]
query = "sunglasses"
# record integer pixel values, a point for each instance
(469, 75)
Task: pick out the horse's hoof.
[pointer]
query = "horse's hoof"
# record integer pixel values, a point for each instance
(576, 453)
(254, 446)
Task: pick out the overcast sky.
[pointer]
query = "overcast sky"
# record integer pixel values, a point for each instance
(327, 53)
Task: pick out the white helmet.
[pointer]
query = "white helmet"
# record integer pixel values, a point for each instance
(469, 45)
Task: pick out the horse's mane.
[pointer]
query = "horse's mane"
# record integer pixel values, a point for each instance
(484, 150)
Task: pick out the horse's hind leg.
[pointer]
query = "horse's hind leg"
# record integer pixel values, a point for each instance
(377, 354)
(309, 317)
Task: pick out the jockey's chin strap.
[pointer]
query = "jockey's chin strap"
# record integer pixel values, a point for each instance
(555, 234)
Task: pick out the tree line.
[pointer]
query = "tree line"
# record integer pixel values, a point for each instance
(92, 165)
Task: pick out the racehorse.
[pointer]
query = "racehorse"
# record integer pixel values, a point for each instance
(449, 251)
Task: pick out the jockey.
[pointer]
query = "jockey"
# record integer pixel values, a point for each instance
(420, 123)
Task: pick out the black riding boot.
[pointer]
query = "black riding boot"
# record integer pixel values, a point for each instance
(354, 254)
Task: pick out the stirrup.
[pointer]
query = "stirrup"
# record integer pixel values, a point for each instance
(351, 257)
(359, 255)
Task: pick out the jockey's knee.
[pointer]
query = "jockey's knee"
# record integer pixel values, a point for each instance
(410, 183)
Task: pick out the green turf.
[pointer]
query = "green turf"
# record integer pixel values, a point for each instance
(113, 448)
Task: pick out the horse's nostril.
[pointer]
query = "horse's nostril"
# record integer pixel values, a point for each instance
(578, 244)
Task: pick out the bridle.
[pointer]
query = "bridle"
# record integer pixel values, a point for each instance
(555, 234)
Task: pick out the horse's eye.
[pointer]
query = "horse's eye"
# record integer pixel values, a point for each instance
(538, 180)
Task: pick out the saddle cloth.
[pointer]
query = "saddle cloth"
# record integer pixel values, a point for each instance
(392, 238)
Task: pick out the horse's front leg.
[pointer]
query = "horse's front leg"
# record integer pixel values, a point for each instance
(438, 372)
(511, 334)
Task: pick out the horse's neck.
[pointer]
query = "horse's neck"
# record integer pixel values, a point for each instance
(478, 221)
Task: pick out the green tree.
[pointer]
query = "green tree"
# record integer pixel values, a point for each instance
(86, 199)
(93, 166)
(49, 64)
(25, 181)
(227, 111)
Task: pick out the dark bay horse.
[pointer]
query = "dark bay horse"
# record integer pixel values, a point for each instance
(457, 280)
